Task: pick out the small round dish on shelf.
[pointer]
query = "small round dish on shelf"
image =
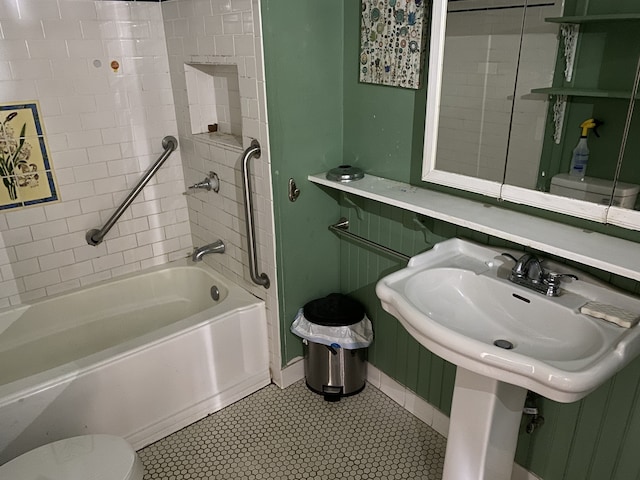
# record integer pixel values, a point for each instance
(345, 173)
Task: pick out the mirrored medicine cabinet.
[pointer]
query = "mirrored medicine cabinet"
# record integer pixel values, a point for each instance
(510, 82)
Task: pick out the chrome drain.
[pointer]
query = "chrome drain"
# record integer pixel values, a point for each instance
(215, 293)
(506, 344)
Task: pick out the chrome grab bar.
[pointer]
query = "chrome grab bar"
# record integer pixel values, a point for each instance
(258, 278)
(95, 236)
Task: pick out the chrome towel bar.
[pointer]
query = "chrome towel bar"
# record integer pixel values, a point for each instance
(95, 236)
(342, 228)
(258, 278)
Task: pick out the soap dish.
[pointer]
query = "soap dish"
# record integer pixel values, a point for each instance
(345, 173)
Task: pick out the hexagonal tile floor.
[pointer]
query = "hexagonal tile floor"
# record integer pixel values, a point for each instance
(295, 434)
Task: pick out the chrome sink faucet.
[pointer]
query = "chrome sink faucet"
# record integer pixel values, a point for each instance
(199, 252)
(528, 272)
(527, 266)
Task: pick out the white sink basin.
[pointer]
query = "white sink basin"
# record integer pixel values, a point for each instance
(456, 300)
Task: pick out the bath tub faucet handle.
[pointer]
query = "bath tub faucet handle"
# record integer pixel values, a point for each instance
(210, 182)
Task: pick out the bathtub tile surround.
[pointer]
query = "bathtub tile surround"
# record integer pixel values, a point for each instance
(294, 433)
(215, 38)
(104, 124)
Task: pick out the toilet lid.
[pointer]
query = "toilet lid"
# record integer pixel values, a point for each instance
(88, 457)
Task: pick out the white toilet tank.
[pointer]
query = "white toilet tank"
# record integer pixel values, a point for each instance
(594, 190)
(103, 457)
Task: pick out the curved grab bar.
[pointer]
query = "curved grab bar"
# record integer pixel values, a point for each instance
(95, 236)
(258, 278)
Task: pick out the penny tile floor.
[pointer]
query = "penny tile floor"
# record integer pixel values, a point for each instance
(295, 434)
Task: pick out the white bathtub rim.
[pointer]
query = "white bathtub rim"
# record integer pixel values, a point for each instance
(179, 263)
(238, 300)
(183, 263)
(52, 377)
(17, 309)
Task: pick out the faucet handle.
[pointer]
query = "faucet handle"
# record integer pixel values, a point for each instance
(556, 277)
(210, 182)
(553, 280)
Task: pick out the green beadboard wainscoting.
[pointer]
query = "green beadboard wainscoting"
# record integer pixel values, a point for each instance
(311, 54)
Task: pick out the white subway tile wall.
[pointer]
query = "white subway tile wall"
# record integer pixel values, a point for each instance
(104, 128)
(226, 33)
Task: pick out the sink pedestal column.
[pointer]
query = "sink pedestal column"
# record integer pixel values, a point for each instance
(483, 430)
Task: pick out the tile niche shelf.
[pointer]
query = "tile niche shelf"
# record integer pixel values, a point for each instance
(621, 257)
(224, 140)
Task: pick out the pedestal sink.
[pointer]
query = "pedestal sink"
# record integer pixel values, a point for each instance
(457, 301)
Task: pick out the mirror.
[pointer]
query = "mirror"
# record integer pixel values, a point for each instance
(503, 115)
(627, 175)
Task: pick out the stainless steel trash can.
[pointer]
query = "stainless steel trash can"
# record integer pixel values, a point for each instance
(333, 371)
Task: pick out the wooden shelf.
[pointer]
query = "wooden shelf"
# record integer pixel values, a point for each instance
(622, 17)
(611, 254)
(583, 92)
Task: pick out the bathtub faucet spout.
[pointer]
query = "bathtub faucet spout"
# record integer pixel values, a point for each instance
(199, 252)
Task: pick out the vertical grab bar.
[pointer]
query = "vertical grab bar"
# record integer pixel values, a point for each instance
(258, 278)
(95, 236)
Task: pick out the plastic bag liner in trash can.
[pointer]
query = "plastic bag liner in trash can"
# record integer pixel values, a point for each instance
(336, 321)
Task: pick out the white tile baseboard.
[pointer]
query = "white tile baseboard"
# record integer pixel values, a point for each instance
(290, 374)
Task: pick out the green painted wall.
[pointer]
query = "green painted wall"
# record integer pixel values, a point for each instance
(380, 129)
(382, 125)
(303, 57)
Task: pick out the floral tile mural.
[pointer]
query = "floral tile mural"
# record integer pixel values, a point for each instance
(25, 167)
(392, 42)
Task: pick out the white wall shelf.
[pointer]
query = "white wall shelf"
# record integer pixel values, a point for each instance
(615, 255)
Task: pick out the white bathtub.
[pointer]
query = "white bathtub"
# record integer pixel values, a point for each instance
(140, 357)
